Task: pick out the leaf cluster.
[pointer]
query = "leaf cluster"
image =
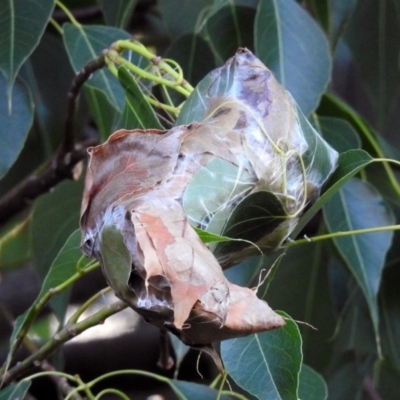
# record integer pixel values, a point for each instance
(339, 272)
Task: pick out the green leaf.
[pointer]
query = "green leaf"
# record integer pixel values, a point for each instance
(15, 122)
(55, 217)
(293, 46)
(83, 44)
(116, 261)
(346, 378)
(105, 115)
(373, 35)
(319, 159)
(256, 216)
(321, 10)
(17, 391)
(312, 386)
(355, 332)
(22, 25)
(180, 350)
(387, 380)
(214, 187)
(138, 112)
(194, 391)
(188, 12)
(236, 22)
(117, 12)
(266, 364)
(301, 287)
(333, 106)
(340, 14)
(62, 268)
(350, 163)
(194, 56)
(339, 134)
(359, 206)
(15, 246)
(49, 75)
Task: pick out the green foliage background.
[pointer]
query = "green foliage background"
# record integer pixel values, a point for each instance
(339, 59)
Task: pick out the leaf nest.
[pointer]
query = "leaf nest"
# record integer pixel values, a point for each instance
(241, 163)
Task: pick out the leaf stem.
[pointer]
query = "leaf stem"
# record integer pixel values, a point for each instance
(56, 26)
(114, 57)
(138, 48)
(341, 234)
(116, 373)
(112, 391)
(68, 13)
(74, 318)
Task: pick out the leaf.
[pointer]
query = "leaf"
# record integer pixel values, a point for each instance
(55, 217)
(237, 22)
(85, 43)
(294, 47)
(187, 12)
(16, 391)
(15, 246)
(194, 55)
(359, 206)
(105, 115)
(387, 380)
(138, 112)
(194, 391)
(180, 350)
(341, 11)
(333, 106)
(213, 186)
(117, 12)
(256, 216)
(345, 380)
(49, 75)
(350, 163)
(116, 261)
(311, 386)
(266, 364)
(321, 10)
(15, 122)
(355, 333)
(372, 34)
(301, 285)
(19, 38)
(339, 134)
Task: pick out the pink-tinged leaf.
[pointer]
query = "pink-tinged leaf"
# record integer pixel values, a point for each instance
(129, 162)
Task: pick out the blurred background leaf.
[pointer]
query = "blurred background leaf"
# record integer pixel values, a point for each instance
(18, 37)
(294, 47)
(15, 121)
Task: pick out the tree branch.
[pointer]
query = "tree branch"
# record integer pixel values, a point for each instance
(68, 332)
(61, 166)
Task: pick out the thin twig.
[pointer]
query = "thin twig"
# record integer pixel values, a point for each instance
(68, 332)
